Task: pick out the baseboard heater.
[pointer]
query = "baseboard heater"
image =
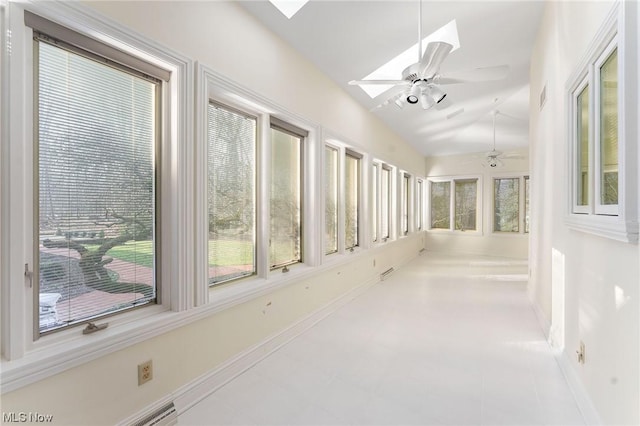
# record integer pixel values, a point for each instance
(164, 416)
(386, 273)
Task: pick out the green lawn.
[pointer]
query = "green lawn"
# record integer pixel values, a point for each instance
(220, 253)
(138, 252)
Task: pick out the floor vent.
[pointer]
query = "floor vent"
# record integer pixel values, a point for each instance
(164, 416)
(386, 273)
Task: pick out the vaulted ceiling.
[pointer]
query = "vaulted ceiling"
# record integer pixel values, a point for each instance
(348, 40)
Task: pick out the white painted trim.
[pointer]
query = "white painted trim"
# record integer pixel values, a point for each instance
(192, 393)
(618, 28)
(584, 402)
(544, 323)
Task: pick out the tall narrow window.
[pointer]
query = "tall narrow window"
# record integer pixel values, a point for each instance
(352, 197)
(231, 193)
(374, 202)
(405, 203)
(385, 205)
(440, 205)
(331, 199)
(582, 128)
(419, 205)
(286, 194)
(527, 210)
(96, 131)
(506, 205)
(465, 204)
(608, 110)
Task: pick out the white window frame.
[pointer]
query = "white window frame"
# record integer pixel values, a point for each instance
(338, 143)
(521, 203)
(338, 198)
(213, 86)
(406, 201)
(375, 201)
(359, 231)
(56, 352)
(452, 180)
(618, 222)
(419, 204)
(390, 207)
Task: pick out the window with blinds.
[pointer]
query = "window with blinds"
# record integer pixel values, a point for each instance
(285, 246)
(231, 193)
(466, 198)
(374, 202)
(608, 137)
(440, 205)
(385, 202)
(97, 135)
(331, 199)
(419, 205)
(506, 205)
(352, 199)
(405, 203)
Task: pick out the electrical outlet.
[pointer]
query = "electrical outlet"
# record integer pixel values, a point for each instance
(145, 372)
(581, 353)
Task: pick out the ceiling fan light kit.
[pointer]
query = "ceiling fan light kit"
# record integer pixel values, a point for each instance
(423, 78)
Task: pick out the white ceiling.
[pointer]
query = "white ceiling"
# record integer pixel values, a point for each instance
(347, 40)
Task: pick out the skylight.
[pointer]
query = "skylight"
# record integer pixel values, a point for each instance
(392, 70)
(288, 7)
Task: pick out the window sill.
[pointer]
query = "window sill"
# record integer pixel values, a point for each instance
(612, 227)
(455, 232)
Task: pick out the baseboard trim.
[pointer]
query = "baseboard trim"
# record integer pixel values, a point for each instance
(585, 405)
(190, 394)
(542, 319)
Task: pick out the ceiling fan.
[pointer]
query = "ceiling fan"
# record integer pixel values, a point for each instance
(494, 157)
(421, 81)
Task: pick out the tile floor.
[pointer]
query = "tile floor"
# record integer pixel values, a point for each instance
(443, 341)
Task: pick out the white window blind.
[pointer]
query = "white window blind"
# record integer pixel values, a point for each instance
(96, 133)
(331, 199)
(352, 198)
(506, 205)
(286, 195)
(231, 194)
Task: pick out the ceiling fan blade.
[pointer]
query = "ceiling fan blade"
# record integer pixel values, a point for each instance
(434, 55)
(446, 103)
(512, 156)
(384, 82)
(475, 75)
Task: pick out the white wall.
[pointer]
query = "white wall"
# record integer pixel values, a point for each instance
(223, 37)
(600, 277)
(487, 242)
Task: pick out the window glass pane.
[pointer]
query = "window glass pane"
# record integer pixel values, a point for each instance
(609, 130)
(352, 195)
(419, 208)
(583, 147)
(286, 226)
(526, 204)
(440, 205)
(405, 204)
(374, 210)
(96, 140)
(465, 204)
(506, 205)
(384, 202)
(231, 194)
(331, 199)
